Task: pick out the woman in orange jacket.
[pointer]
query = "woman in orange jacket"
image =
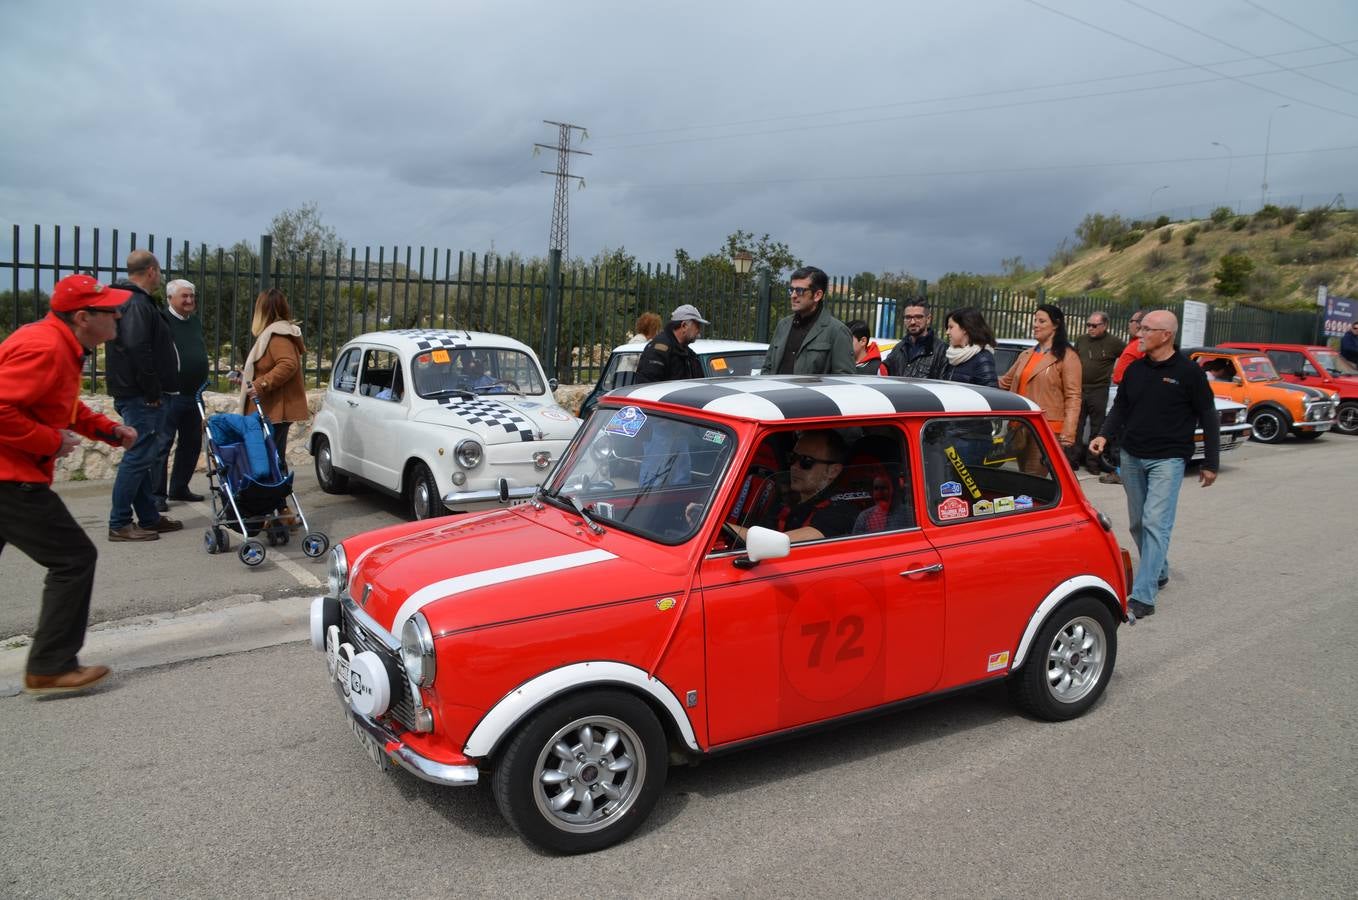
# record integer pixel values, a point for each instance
(1049, 375)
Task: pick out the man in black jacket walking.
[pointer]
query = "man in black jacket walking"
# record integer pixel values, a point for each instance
(668, 356)
(1163, 397)
(142, 369)
(919, 353)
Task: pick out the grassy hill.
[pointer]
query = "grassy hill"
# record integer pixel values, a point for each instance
(1289, 254)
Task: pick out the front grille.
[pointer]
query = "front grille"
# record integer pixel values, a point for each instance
(402, 708)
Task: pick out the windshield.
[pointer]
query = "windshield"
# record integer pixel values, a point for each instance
(1334, 363)
(643, 472)
(1258, 368)
(478, 370)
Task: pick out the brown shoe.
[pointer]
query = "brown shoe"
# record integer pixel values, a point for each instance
(164, 524)
(130, 532)
(78, 679)
(288, 518)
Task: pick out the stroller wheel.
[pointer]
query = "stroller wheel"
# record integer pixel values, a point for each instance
(251, 553)
(210, 541)
(223, 542)
(315, 544)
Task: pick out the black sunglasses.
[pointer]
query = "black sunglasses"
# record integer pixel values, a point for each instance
(798, 291)
(809, 462)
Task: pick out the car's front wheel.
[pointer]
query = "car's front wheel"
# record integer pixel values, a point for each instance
(1269, 427)
(422, 493)
(1347, 420)
(581, 774)
(1070, 662)
(331, 480)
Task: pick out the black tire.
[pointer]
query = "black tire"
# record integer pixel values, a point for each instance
(422, 494)
(529, 777)
(1269, 426)
(331, 480)
(223, 541)
(251, 553)
(1069, 663)
(210, 541)
(1347, 420)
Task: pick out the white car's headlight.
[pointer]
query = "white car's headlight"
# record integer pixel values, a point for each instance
(337, 572)
(417, 650)
(468, 454)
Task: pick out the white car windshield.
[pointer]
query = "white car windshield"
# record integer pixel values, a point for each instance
(475, 370)
(643, 472)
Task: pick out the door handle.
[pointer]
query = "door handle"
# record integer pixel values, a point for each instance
(926, 570)
(352, 402)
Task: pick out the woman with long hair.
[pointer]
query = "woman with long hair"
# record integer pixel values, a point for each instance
(273, 373)
(1049, 375)
(970, 356)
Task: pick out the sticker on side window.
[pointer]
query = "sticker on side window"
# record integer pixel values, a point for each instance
(1023, 501)
(982, 508)
(715, 437)
(950, 489)
(953, 508)
(1004, 504)
(626, 422)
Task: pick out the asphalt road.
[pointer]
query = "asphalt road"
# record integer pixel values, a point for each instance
(1220, 762)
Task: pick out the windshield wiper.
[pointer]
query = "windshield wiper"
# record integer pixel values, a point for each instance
(499, 387)
(450, 392)
(580, 508)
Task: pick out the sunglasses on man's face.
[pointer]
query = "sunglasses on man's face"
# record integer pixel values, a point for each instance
(809, 462)
(798, 291)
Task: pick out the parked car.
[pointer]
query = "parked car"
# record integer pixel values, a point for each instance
(569, 650)
(718, 358)
(1275, 407)
(1317, 367)
(447, 420)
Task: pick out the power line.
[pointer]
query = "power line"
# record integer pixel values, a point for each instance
(560, 237)
(1200, 33)
(1303, 30)
(1157, 50)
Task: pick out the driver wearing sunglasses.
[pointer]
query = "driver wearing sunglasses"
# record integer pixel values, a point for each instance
(807, 511)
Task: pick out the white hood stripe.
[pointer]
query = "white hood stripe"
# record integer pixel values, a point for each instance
(449, 586)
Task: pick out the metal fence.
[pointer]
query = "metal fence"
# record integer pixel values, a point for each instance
(572, 316)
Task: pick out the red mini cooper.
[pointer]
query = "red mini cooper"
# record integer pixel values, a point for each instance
(714, 563)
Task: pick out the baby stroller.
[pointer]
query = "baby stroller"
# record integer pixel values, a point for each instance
(248, 485)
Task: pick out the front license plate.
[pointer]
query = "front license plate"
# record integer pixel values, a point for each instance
(370, 746)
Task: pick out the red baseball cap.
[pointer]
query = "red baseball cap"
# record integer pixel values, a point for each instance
(83, 292)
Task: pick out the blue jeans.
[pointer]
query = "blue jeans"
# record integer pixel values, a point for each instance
(133, 487)
(1152, 487)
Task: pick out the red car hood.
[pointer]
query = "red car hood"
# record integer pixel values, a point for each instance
(496, 567)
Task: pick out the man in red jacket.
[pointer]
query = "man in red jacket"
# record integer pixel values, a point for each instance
(41, 419)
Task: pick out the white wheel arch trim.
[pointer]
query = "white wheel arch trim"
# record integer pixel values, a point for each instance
(529, 696)
(1058, 595)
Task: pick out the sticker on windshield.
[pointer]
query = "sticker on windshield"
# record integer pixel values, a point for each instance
(440, 356)
(717, 363)
(626, 422)
(715, 437)
(950, 489)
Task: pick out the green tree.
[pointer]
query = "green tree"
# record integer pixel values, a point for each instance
(20, 309)
(1233, 273)
(1096, 229)
(300, 231)
(770, 256)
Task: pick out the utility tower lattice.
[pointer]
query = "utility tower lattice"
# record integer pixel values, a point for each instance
(560, 238)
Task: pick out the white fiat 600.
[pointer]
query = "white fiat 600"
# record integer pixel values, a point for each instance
(448, 420)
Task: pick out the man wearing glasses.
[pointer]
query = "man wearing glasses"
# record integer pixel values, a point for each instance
(1348, 344)
(42, 420)
(810, 341)
(1098, 354)
(806, 511)
(1164, 396)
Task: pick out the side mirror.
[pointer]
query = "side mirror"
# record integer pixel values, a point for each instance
(1237, 380)
(764, 543)
(553, 383)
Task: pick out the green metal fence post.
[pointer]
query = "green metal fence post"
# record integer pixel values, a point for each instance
(761, 328)
(552, 315)
(265, 260)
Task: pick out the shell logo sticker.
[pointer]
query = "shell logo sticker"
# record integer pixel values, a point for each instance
(997, 661)
(665, 605)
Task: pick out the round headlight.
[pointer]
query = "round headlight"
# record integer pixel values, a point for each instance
(468, 454)
(417, 650)
(337, 572)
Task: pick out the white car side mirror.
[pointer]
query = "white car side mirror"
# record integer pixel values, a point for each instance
(765, 543)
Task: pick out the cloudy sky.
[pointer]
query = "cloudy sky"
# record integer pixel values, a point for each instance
(867, 135)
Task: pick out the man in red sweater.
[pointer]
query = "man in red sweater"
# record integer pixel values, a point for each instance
(41, 420)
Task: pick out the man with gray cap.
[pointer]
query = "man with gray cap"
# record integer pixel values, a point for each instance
(668, 356)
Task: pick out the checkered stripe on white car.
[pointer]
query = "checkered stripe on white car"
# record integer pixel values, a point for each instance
(491, 415)
(432, 340)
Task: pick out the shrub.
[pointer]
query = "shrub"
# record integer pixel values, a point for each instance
(1319, 277)
(1195, 257)
(1221, 214)
(1156, 260)
(1262, 285)
(1269, 211)
(1239, 223)
(1198, 277)
(1288, 214)
(1344, 246)
(1125, 240)
(1166, 234)
(1233, 273)
(1141, 293)
(1313, 220)
(1096, 229)
(1162, 221)
(1095, 281)
(1191, 236)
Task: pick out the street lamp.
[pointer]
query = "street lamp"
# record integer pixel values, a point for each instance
(1268, 136)
(1230, 158)
(1150, 211)
(743, 262)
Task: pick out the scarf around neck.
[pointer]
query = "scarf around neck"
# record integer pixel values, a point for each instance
(959, 355)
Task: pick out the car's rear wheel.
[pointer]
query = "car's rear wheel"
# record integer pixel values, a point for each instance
(1269, 427)
(331, 480)
(1069, 663)
(583, 773)
(1347, 420)
(422, 493)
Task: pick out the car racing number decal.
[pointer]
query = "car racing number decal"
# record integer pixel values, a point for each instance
(830, 646)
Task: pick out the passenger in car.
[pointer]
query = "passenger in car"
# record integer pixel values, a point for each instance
(891, 508)
(807, 511)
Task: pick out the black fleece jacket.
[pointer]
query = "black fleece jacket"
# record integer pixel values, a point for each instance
(142, 361)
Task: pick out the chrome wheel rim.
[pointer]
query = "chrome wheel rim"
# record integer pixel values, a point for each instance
(1348, 418)
(1076, 659)
(421, 492)
(589, 774)
(324, 465)
(1266, 426)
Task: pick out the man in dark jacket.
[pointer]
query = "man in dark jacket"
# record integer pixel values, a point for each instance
(810, 341)
(668, 356)
(41, 420)
(919, 353)
(142, 369)
(1099, 352)
(1348, 344)
(183, 423)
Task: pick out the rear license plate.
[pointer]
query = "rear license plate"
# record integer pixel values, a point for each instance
(371, 746)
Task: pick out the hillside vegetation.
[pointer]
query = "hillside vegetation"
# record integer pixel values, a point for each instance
(1274, 258)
